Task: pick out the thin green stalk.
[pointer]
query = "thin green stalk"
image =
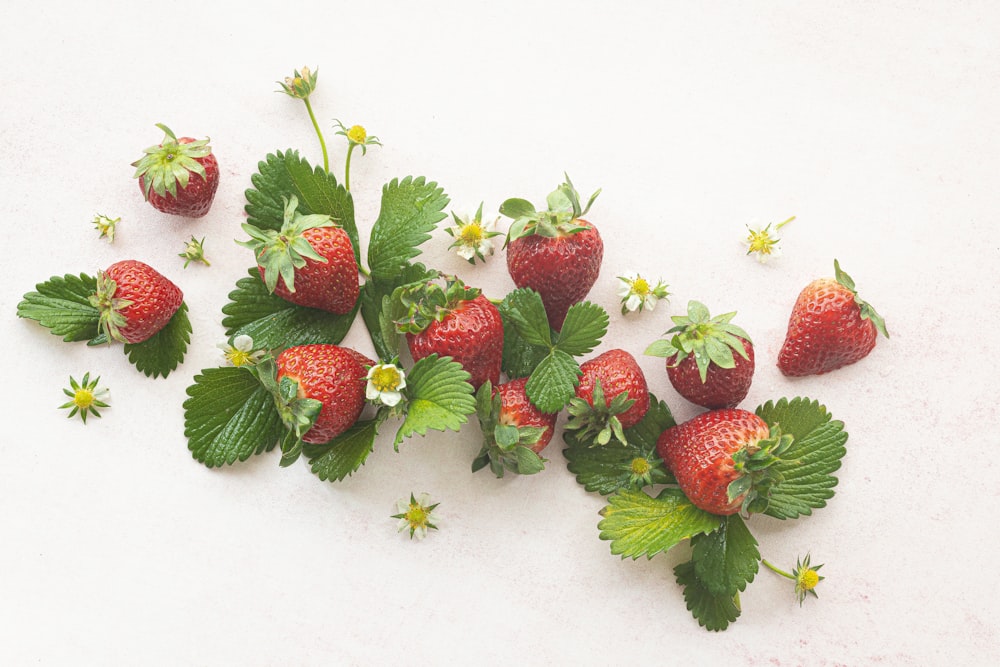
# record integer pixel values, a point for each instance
(322, 143)
(775, 569)
(347, 167)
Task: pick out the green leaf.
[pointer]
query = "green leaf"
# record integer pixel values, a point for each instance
(713, 611)
(727, 559)
(517, 208)
(62, 305)
(161, 353)
(553, 382)
(275, 323)
(283, 174)
(342, 456)
(661, 348)
(378, 320)
(520, 357)
(526, 311)
(807, 467)
(410, 211)
(608, 469)
(528, 462)
(229, 417)
(440, 397)
(584, 327)
(637, 524)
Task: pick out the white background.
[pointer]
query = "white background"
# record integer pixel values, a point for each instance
(876, 124)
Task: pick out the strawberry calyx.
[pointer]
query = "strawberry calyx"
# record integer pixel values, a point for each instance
(711, 340)
(758, 475)
(281, 252)
(170, 163)
(111, 320)
(298, 414)
(598, 422)
(561, 217)
(428, 302)
(506, 446)
(868, 312)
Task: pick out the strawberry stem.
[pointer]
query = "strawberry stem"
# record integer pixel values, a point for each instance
(319, 133)
(773, 568)
(347, 167)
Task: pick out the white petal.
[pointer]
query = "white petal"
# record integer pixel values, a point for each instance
(466, 252)
(402, 506)
(424, 500)
(633, 302)
(390, 398)
(371, 393)
(243, 343)
(225, 347)
(651, 300)
(420, 532)
(402, 525)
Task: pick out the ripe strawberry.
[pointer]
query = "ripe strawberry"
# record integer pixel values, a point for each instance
(313, 257)
(135, 301)
(554, 252)
(612, 396)
(458, 322)
(723, 459)
(332, 375)
(700, 361)
(514, 430)
(165, 175)
(829, 327)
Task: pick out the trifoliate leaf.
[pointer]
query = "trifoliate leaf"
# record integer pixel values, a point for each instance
(584, 327)
(639, 525)
(161, 353)
(636, 465)
(275, 323)
(62, 305)
(553, 382)
(807, 467)
(342, 456)
(520, 357)
(410, 211)
(229, 417)
(439, 397)
(713, 611)
(283, 174)
(524, 308)
(727, 559)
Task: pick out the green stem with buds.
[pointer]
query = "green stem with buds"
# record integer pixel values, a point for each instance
(319, 133)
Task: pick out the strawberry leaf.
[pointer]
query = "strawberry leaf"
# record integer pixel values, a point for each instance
(62, 305)
(229, 416)
(639, 525)
(439, 397)
(727, 559)
(161, 353)
(633, 466)
(275, 323)
(283, 174)
(713, 611)
(343, 455)
(410, 211)
(806, 468)
(553, 382)
(525, 309)
(519, 356)
(584, 327)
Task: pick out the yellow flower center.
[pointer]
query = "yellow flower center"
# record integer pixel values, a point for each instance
(83, 398)
(808, 579)
(471, 233)
(640, 286)
(760, 241)
(357, 134)
(239, 357)
(386, 378)
(416, 516)
(640, 466)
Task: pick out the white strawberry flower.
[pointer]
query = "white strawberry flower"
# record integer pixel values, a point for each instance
(639, 294)
(385, 382)
(416, 514)
(473, 238)
(240, 351)
(762, 241)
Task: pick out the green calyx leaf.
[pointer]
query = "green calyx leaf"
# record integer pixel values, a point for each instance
(170, 164)
(109, 307)
(283, 251)
(297, 414)
(597, 423)
(868, 311)
(559, 219)
(712, 340)
(506, 447)
(428, 302)
(63, 306)
(758, 471)
(438, 397)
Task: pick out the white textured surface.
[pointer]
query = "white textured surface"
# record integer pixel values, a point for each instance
(876, 124)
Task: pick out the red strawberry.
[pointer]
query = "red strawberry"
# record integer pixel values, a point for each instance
(829, 327)
(723, 459)
(612, 396)
(554, 252)
(332, 375)
(457, 322)
(511, 424)
(179, 176)
(135, 301)
(313, 257)
(701, 363)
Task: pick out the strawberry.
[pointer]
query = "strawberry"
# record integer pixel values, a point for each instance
(134, 300)
(330, 374)
(829, 327)
(455, 321)
(313, 257)
(514, 430)
(723, 459)
(701, 363)
(612, 396)
(554, 252)
(178, 176)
